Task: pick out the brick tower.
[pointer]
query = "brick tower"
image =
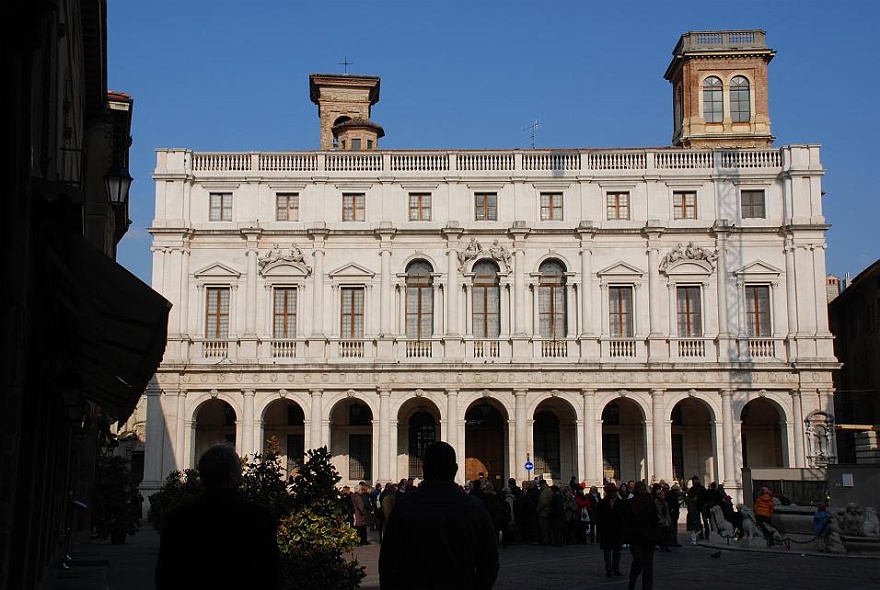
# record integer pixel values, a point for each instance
(719, 90)
(344, 102)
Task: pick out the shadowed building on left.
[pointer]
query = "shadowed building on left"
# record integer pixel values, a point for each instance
(82, 336)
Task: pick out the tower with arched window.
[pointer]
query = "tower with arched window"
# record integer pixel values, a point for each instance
(719, 90)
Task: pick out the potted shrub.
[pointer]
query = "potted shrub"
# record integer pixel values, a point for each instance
(116, 513)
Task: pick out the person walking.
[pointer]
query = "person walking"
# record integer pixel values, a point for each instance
(673, 500)
(611, 516)
(696, 500)
(764, 513)
(437, 536)
(643, 532)
(219, 540)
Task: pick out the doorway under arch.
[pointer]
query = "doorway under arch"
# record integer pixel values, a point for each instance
(484, 447)
(214, 423)
(351, 440)
(762, 442)
(284, 420)
(693, 442)
(624, 452)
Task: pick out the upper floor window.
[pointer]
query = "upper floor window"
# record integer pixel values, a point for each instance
(419, 301)
(420, 206)
(485, 206)
(551, 206)
(353, 207)
(220, 207)
(287, 207)
(620, 312)
(551, 300)
(752, 204)
(713, 100)
(684, 205)
(690, 313)
(284, 313)
(617, 206)
(352, 313)
(740, 100)
(486, 300)
(758, 311)
(217, 313)
(356, 144)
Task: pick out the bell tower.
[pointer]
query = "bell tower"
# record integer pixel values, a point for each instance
(344, 102)
(719, 90)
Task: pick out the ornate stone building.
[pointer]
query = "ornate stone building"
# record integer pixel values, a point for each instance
(635, 313)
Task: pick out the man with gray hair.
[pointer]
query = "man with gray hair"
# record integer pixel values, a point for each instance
(438, 536)
(219, 540)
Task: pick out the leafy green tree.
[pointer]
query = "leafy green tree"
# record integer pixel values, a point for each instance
(262, 480)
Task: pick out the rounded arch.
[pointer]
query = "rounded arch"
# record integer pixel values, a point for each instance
(740, 99)
(419, 257)
(215, 421)
(554, 257)
(693, 442)
(713, 99)
(762, 424)
(284, 420)
(485, 267)
(351, 438)
(554, 438)
(339, 120)
(624, 439)
(486, 440)
(418, 265)
(418, 426)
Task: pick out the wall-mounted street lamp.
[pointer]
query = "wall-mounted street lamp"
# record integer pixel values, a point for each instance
(117, 183)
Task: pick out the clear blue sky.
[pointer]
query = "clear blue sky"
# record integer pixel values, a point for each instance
(233, 76)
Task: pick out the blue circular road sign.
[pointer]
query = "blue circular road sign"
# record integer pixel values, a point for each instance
(529, 465)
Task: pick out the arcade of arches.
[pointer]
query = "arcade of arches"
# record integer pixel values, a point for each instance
(589, 434)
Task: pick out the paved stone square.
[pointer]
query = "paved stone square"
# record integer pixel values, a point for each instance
(130, 567)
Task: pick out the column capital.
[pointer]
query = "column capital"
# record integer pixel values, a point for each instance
(657, 392)
(726, 392)
(520, 391)
(588, 392)
(452, 390)
(248, 392)
(317, 392)
(384, 391)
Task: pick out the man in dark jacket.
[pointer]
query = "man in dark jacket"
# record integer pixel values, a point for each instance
(439, 537)
(219, 540)
(612, 515)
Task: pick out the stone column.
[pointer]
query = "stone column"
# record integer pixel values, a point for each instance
(799, 442)
(586, 232)
(384, 471)
(519, 324)
(318, 328)
(154, 470)
(591, 462)
(658, 419)
(451, 434)
(247, 427)
(316, 420)
(180, 430)
(453, 296)
(653, 290)
(521, 445)
(728, 442)
(791, 286)
(385, 234)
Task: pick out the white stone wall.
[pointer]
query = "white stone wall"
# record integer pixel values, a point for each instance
(785, 250)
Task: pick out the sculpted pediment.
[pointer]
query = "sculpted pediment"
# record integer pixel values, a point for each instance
(217, 271)
(352, 271)
(758, 268)
(286, 269)
(621, 269)
(689, 267)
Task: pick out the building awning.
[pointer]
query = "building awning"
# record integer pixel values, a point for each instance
(117, 326)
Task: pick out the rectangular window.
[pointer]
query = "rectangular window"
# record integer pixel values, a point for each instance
(753, 205)
(684, 205)
(287, 207)
(220, 207)
(419, 308)
(690, 315)
(284, 313)
(617, 206)
(356, 144)
(551, 206)
(217, 313)
(353, 207)
(420, 206)
(551, 310)
(620, 312)
(486, 206)
(359, 457)
(758, 311)
(352, 316)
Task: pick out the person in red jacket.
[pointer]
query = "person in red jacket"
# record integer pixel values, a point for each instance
(764, 513)
(584, 506)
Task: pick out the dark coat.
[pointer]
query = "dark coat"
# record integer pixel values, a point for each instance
(218, 541)
(438, 537)
(612, 517)
(643, 526)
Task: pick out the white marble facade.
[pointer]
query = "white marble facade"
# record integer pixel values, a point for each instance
(626, 314)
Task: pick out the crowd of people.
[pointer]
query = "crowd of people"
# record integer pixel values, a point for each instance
(633, 515)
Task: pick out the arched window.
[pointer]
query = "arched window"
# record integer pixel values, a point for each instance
(486, 300)
(713, 101)
(419, 301)
(551, 300)
(740, 100)
(678, 107)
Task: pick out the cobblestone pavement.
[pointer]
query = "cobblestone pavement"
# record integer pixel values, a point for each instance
(101, 566)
